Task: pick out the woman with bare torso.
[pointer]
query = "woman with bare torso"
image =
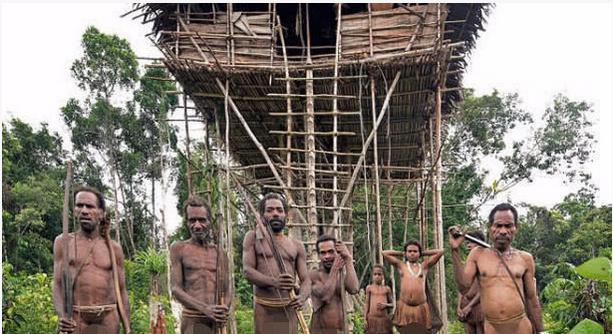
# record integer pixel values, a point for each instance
(412, 309)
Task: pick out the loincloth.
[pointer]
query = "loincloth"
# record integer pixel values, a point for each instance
(406, 314)
(95, 309)
(506, 321)
(320, 324)
(193, 321)
(274, 316)
(272, 302)
(378, 325)
(93, 313)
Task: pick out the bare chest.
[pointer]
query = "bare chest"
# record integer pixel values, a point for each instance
(490, 265)
(89, 253)
(412, 272)
(378, 293)
(199, 259)
(286, 249)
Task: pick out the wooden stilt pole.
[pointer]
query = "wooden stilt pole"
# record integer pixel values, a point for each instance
(373, 108)
(437, 209)
(188, 155)
(309, 121)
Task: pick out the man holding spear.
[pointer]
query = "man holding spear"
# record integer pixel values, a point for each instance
(89, 293)
(329, 286)
(271, 261)
(509, 299)
(199, 273)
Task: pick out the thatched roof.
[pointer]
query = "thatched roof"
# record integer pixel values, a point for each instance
(256, 67)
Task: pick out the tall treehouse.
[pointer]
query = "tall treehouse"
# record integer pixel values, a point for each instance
(339, 107)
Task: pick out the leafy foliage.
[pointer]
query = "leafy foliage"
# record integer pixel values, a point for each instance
(107, 62)
(598, 269)
(32, 195)
(26, 302)
(145, 277)
(587, 326)
(244, 320)
(563, 144)
(568, 299)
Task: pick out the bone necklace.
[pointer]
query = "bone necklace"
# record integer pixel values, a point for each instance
(411, 270)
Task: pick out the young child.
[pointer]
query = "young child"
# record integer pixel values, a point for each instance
(469, 308)
(378, 301)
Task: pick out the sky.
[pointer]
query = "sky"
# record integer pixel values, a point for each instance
(534, 49)
(539, 50)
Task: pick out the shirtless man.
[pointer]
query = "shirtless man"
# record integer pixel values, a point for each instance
(501, 302)
(89, 261)
(412, 310)
(274, 310)
(328, 317)
(469, 307)
(193, 267)
(378, 301)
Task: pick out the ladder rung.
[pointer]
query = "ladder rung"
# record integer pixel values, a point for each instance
(284, 149)
(316, 96)
(320, 113)
(324, 78)
(272, 186)
(321, 207)
(316, 133)
(320, 171)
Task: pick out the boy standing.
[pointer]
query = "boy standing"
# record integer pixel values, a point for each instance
(378, 301)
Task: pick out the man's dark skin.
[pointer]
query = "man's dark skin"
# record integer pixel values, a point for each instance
(261, 269)
(328, 308)
(95, 308)
(500, 301)
(194, 274)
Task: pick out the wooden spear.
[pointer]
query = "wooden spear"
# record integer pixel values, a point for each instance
(119, 300)
(67, 283)
(220, 283)
(274, 248)
(282, 269)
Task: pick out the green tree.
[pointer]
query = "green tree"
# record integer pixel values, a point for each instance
(483, 129)
(97, 125)
(158, 138)
(32, 175)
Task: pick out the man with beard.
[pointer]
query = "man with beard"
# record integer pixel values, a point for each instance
(469, 308)
(328, 317)
(509, 300)
(95, 289)
(193, 265)
(274, 310)
(412, 313)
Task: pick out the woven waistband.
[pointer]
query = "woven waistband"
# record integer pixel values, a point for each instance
(272, 302)
(505, 321)
(190, 313)
(94, 309)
